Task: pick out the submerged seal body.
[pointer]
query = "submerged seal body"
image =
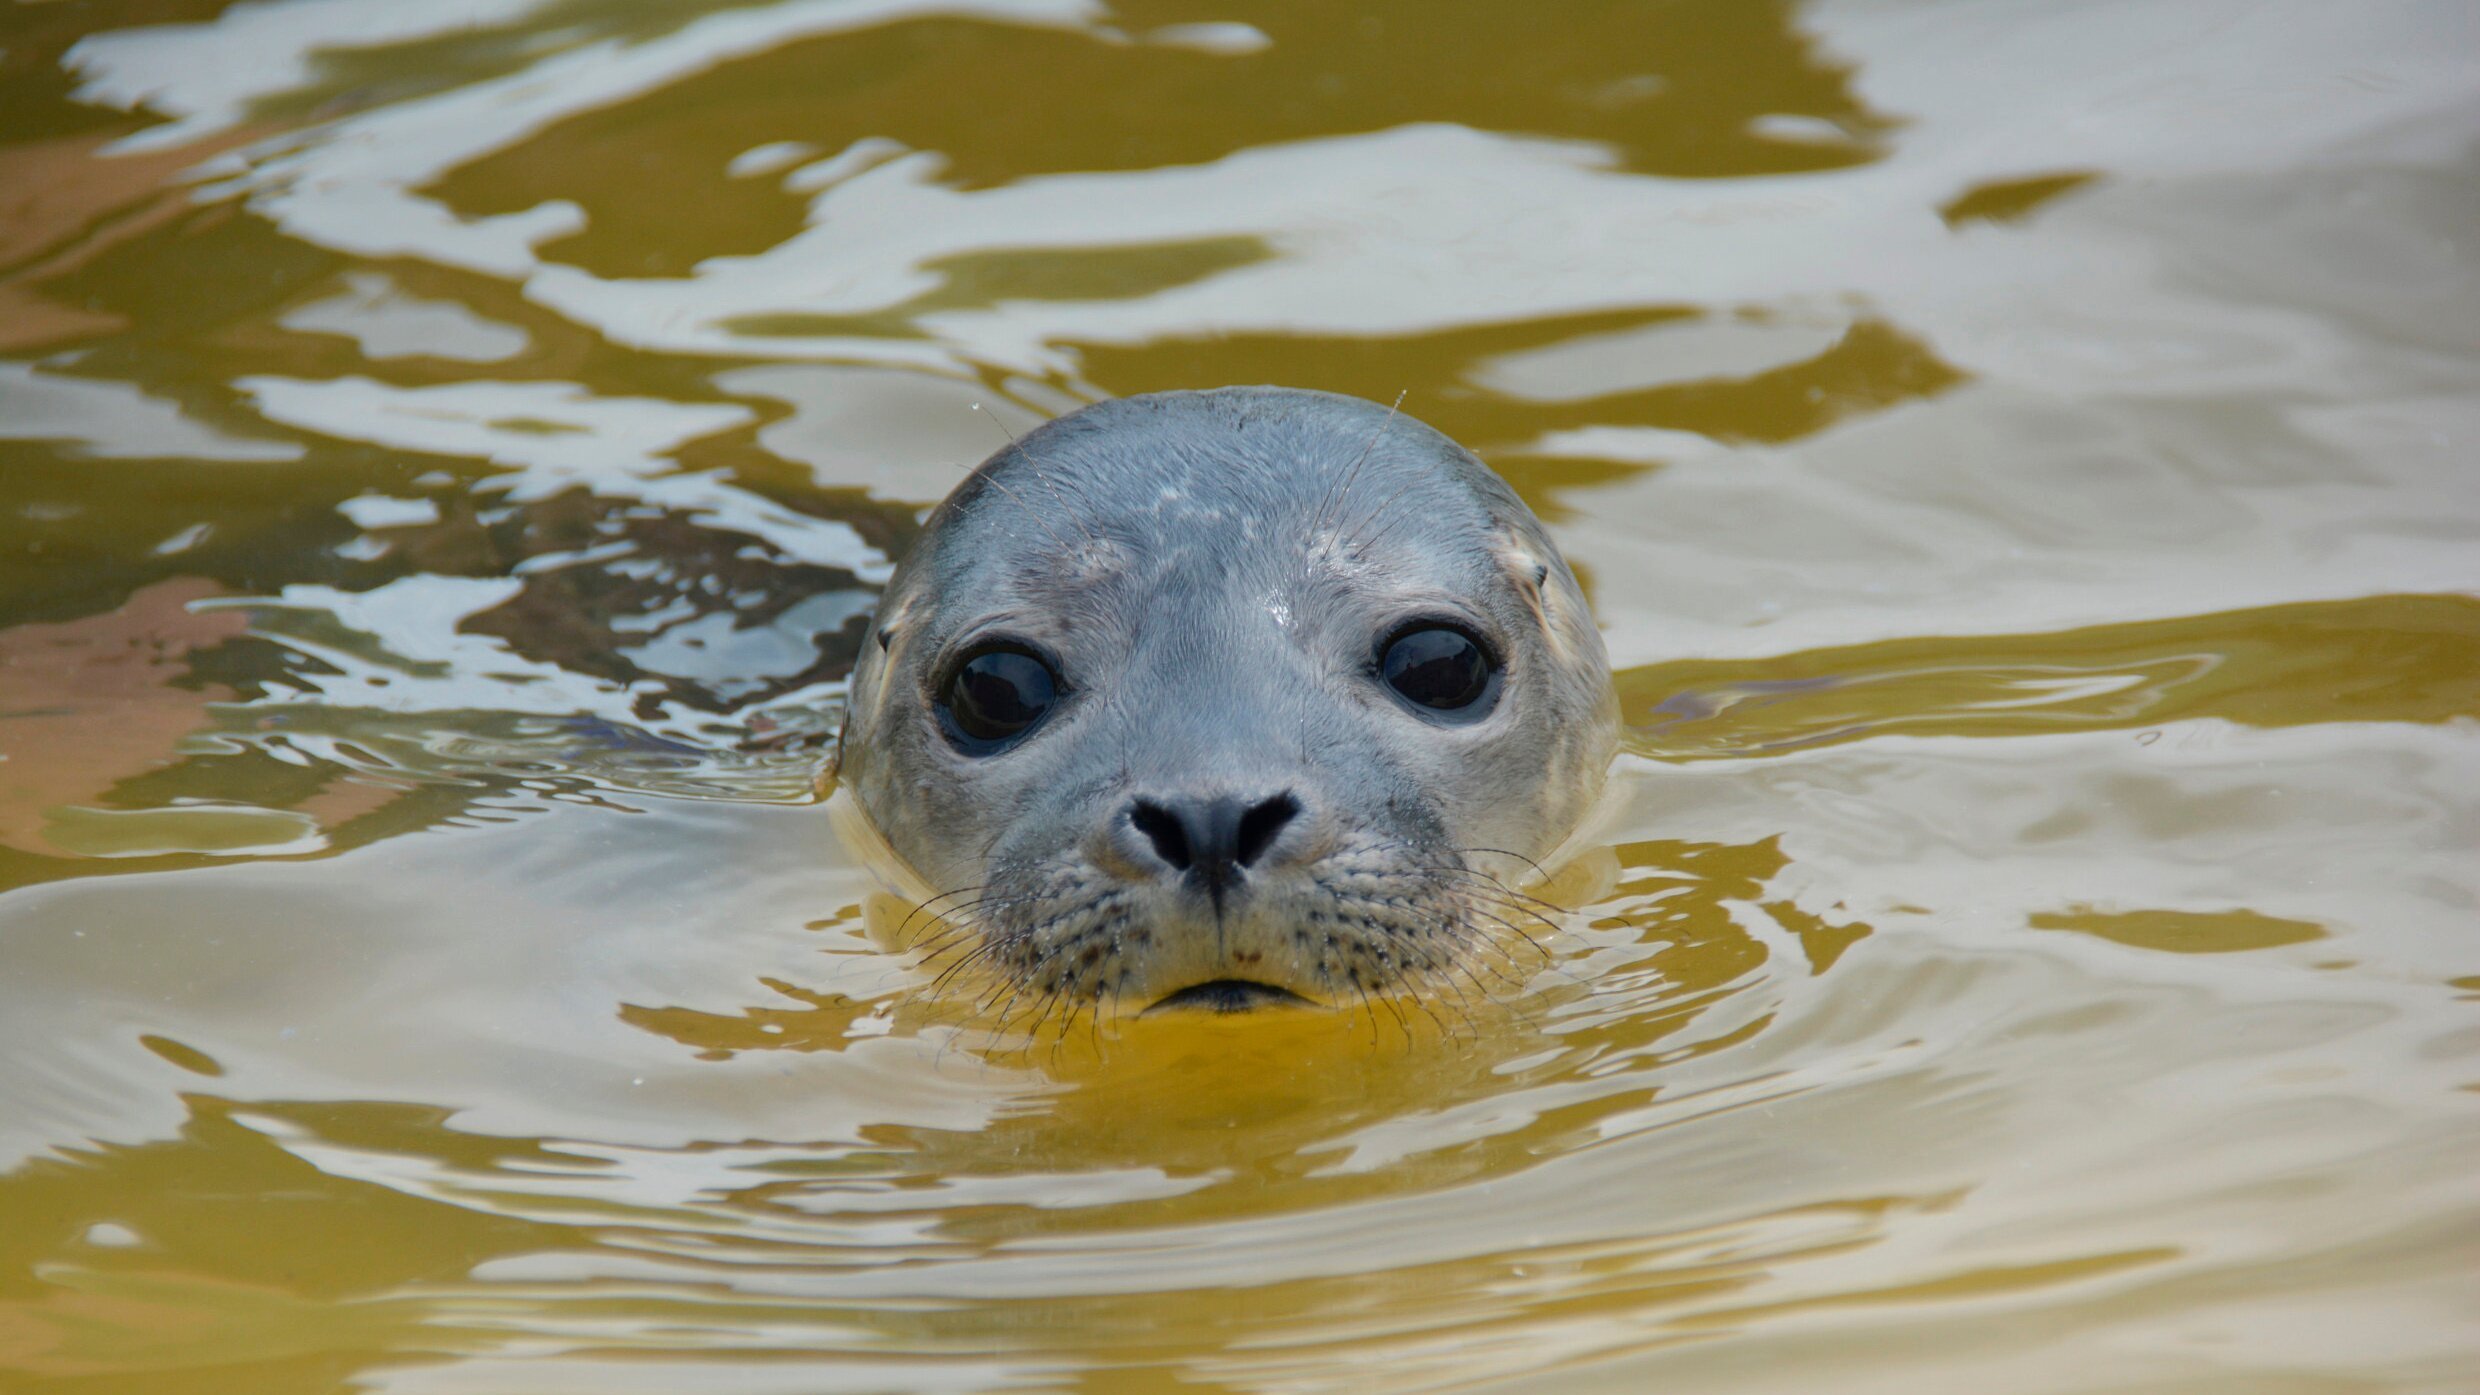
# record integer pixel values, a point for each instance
(1226, 697)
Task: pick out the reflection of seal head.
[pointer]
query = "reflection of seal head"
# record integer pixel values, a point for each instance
(1217, 696)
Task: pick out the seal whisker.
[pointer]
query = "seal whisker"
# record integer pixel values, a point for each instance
(1471, 964)
(1093, 1023)
(1032, 460)
(1035, 463)
(994, 900)
(1359, 542)
(948, 930)
(1369, 1008)
(1484, 895)
(1409, 951)
(1497, 893)
(958, 926)
(1546, 912)
(1010, 984)
(922, 906)
(939, 985)
(1088, 1006)
(1476, 963)
(950, 935)
(970, 937)
(1540, 951)
(1050, 1023)
(1538, 870)
(1403, 1024)
(1482, 883)
(1457, 931)
(1465, 959)
(1053, 1000)
(1475, 882)
(1459, 867)
(1341, 488)
(973, 914)
(1429, 966)
(1463, 1005)
(958, 950)
(1032, 513)
(1001, 1007)
(993, 419)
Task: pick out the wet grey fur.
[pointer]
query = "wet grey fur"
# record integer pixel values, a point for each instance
(1214, 573)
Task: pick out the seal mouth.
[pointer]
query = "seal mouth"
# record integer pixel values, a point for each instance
(1227, 995)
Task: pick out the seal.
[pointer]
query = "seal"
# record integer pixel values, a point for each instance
(1225, 699)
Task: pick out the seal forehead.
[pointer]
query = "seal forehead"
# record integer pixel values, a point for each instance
(1194, 486)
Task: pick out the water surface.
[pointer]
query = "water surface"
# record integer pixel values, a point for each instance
(2021, 456)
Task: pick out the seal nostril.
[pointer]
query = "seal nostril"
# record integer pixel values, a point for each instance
(1162, 828)
(1212, 840)
(1259, 826)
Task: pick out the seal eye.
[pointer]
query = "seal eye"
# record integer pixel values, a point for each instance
(996, 695)
(1441, 669)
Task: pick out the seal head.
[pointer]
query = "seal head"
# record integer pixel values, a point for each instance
(1225, 698)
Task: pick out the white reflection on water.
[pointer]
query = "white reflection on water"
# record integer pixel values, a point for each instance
(1374, 227)
(386, 322)
(557, 434)
(107, 421)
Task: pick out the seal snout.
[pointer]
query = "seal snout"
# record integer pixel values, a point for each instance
(1212, 841)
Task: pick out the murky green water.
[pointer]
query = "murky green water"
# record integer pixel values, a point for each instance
(2023, 457)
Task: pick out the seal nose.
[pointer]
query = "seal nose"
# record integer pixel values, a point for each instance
(1212, 840)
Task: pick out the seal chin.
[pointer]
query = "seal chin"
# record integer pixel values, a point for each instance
(1228, 995)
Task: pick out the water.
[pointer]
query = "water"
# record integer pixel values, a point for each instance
(2021, 457)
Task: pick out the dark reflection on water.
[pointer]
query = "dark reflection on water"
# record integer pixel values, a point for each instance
(219, 685)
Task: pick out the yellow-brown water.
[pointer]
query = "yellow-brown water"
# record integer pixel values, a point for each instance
(2023, 456)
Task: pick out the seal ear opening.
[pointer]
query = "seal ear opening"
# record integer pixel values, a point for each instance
(1557, 606)
(1529, 574)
